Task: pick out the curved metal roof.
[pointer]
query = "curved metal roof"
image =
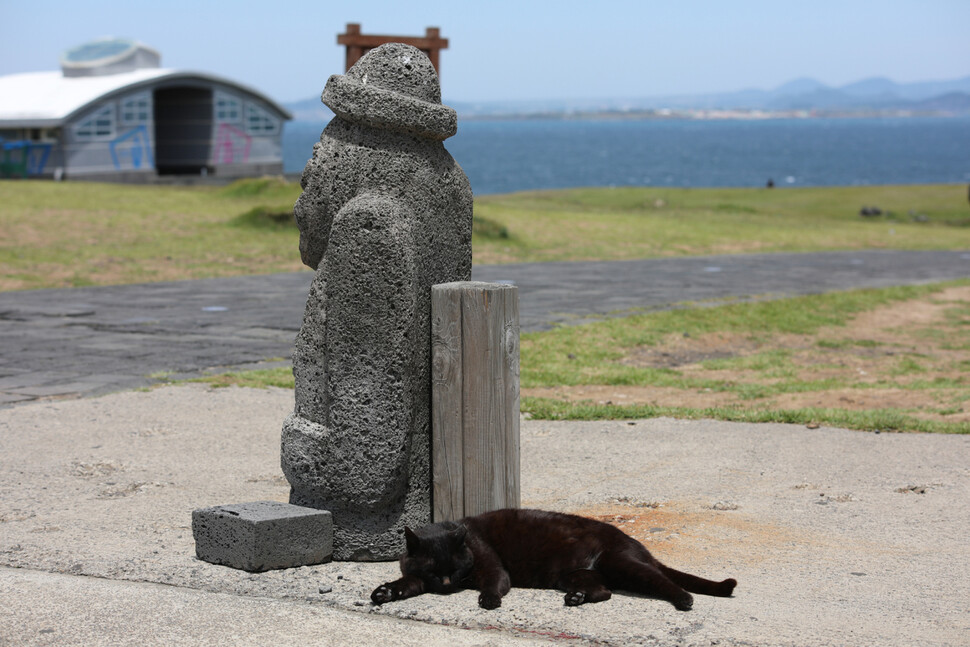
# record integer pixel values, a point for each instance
(48, 99)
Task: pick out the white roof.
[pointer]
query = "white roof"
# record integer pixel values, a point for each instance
(35, 99)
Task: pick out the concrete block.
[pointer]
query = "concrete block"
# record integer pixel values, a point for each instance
(262, 535)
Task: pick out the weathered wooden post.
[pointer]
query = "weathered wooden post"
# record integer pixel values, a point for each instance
(475, 398)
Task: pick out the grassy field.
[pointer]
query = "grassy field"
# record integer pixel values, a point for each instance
(890, 359)
(73, 234)
(627, 223)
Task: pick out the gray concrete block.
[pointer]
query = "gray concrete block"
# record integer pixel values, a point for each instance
(262, 535)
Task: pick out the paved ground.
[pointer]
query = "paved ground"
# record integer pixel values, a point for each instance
(89, 341)
(836, 537)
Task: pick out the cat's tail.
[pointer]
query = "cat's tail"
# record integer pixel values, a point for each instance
(694, 584)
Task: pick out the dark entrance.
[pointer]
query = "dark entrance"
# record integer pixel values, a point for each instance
(183, 130)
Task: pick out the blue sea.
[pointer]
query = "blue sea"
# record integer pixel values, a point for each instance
(503, 156)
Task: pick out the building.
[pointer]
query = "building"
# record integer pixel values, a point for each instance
(112, 113)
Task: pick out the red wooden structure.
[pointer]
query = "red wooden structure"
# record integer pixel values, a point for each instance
(359, 44)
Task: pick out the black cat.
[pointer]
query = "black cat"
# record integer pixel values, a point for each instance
(495, 551)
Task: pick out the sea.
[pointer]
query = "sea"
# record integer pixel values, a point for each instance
(508, 155)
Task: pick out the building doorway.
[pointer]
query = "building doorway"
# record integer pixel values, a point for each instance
(183, 130)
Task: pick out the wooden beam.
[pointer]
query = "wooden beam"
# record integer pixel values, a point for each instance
(358, 44)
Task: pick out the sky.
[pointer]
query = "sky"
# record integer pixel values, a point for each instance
(508, 50)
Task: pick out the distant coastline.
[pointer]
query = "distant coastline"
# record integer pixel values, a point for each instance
(799, 99)
(707, 114)
(321, 115)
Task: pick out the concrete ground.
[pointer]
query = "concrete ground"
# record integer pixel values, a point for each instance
(836, 537)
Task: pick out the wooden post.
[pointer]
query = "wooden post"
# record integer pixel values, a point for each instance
(433, 37)
(475, 398)
(354, 50)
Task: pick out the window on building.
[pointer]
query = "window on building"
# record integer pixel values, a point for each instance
(260, 122)
(228, 109)
(99, 124)
(136, 109)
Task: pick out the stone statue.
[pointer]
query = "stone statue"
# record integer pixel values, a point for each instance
(385, 214)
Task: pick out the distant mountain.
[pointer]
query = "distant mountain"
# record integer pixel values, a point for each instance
(799, 86)
(309, 110)
(876, 86)
(958, 102)
(928, 89)
(809, 94)
(873, 94)
(876, 93)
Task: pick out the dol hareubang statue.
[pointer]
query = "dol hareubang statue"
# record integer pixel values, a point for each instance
(385, 214)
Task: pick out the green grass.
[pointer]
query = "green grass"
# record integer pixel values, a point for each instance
(907, 366)
(267, 217)
(61, 234)
(257, 379)
(870, 420)
(771, 362)
(625, 223)
(848, 343)
(260, 187)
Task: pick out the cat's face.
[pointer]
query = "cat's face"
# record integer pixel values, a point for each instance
(437, 554)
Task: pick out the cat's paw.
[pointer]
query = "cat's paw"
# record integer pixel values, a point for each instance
(489, 601)
(382, 594)
(575, 598)
(726, 588)
(685, 602)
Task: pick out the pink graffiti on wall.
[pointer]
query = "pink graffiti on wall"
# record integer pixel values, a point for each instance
(232, 145)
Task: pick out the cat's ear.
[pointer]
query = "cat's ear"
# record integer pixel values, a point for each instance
(411, 539)
(458, 535)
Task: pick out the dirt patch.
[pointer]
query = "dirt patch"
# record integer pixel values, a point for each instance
(922, 312)
(683, 349)
(911, 356)
(681, 534)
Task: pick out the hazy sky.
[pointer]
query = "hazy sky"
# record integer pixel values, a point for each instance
(520, 49)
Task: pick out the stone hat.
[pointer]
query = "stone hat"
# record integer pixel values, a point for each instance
(393, 86)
